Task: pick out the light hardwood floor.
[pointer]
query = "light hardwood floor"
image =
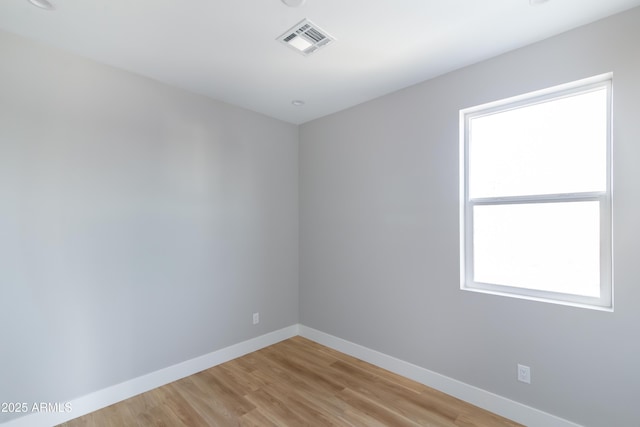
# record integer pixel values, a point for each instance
(296, 382)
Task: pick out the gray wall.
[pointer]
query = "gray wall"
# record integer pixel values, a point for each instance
(379, 236)
(140, 225)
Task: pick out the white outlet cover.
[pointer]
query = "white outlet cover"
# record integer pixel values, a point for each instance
(524, 374)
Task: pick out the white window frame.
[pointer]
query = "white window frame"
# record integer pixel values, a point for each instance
(605, 301)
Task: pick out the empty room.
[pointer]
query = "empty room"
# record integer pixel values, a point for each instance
(320, 212)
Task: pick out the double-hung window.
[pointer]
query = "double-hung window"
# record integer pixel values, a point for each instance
(536, 195)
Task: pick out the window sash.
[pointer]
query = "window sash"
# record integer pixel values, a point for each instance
(605, 243)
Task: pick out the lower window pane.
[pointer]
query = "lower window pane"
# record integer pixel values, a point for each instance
(542, 246)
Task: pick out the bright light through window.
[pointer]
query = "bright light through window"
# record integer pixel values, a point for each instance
(536, 192)
(558, 146)
(551, 247)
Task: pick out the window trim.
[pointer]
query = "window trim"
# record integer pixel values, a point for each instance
(604, 198)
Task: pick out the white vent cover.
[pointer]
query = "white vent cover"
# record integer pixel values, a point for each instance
(305, 37)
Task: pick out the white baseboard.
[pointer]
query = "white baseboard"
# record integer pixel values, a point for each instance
(510, 409)
(515, 411)
(108, 396)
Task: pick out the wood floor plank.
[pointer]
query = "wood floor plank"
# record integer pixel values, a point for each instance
(405, 396)
(322, 392)
(311, 406)
(256, 418)
(274, 408)
(177, 408)
(296, 382)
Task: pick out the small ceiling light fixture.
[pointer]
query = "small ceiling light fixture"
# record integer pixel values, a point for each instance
(298, 102)
(294, 3)
(42, 4)
(537, 2)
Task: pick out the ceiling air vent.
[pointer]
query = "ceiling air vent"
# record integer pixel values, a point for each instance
(305, 37)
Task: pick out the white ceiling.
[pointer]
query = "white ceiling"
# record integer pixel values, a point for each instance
(228, 50)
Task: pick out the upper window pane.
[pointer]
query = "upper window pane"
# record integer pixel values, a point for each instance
(551, 147)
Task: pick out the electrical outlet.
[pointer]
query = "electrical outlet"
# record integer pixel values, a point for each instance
(256, 318)
(524, 374)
